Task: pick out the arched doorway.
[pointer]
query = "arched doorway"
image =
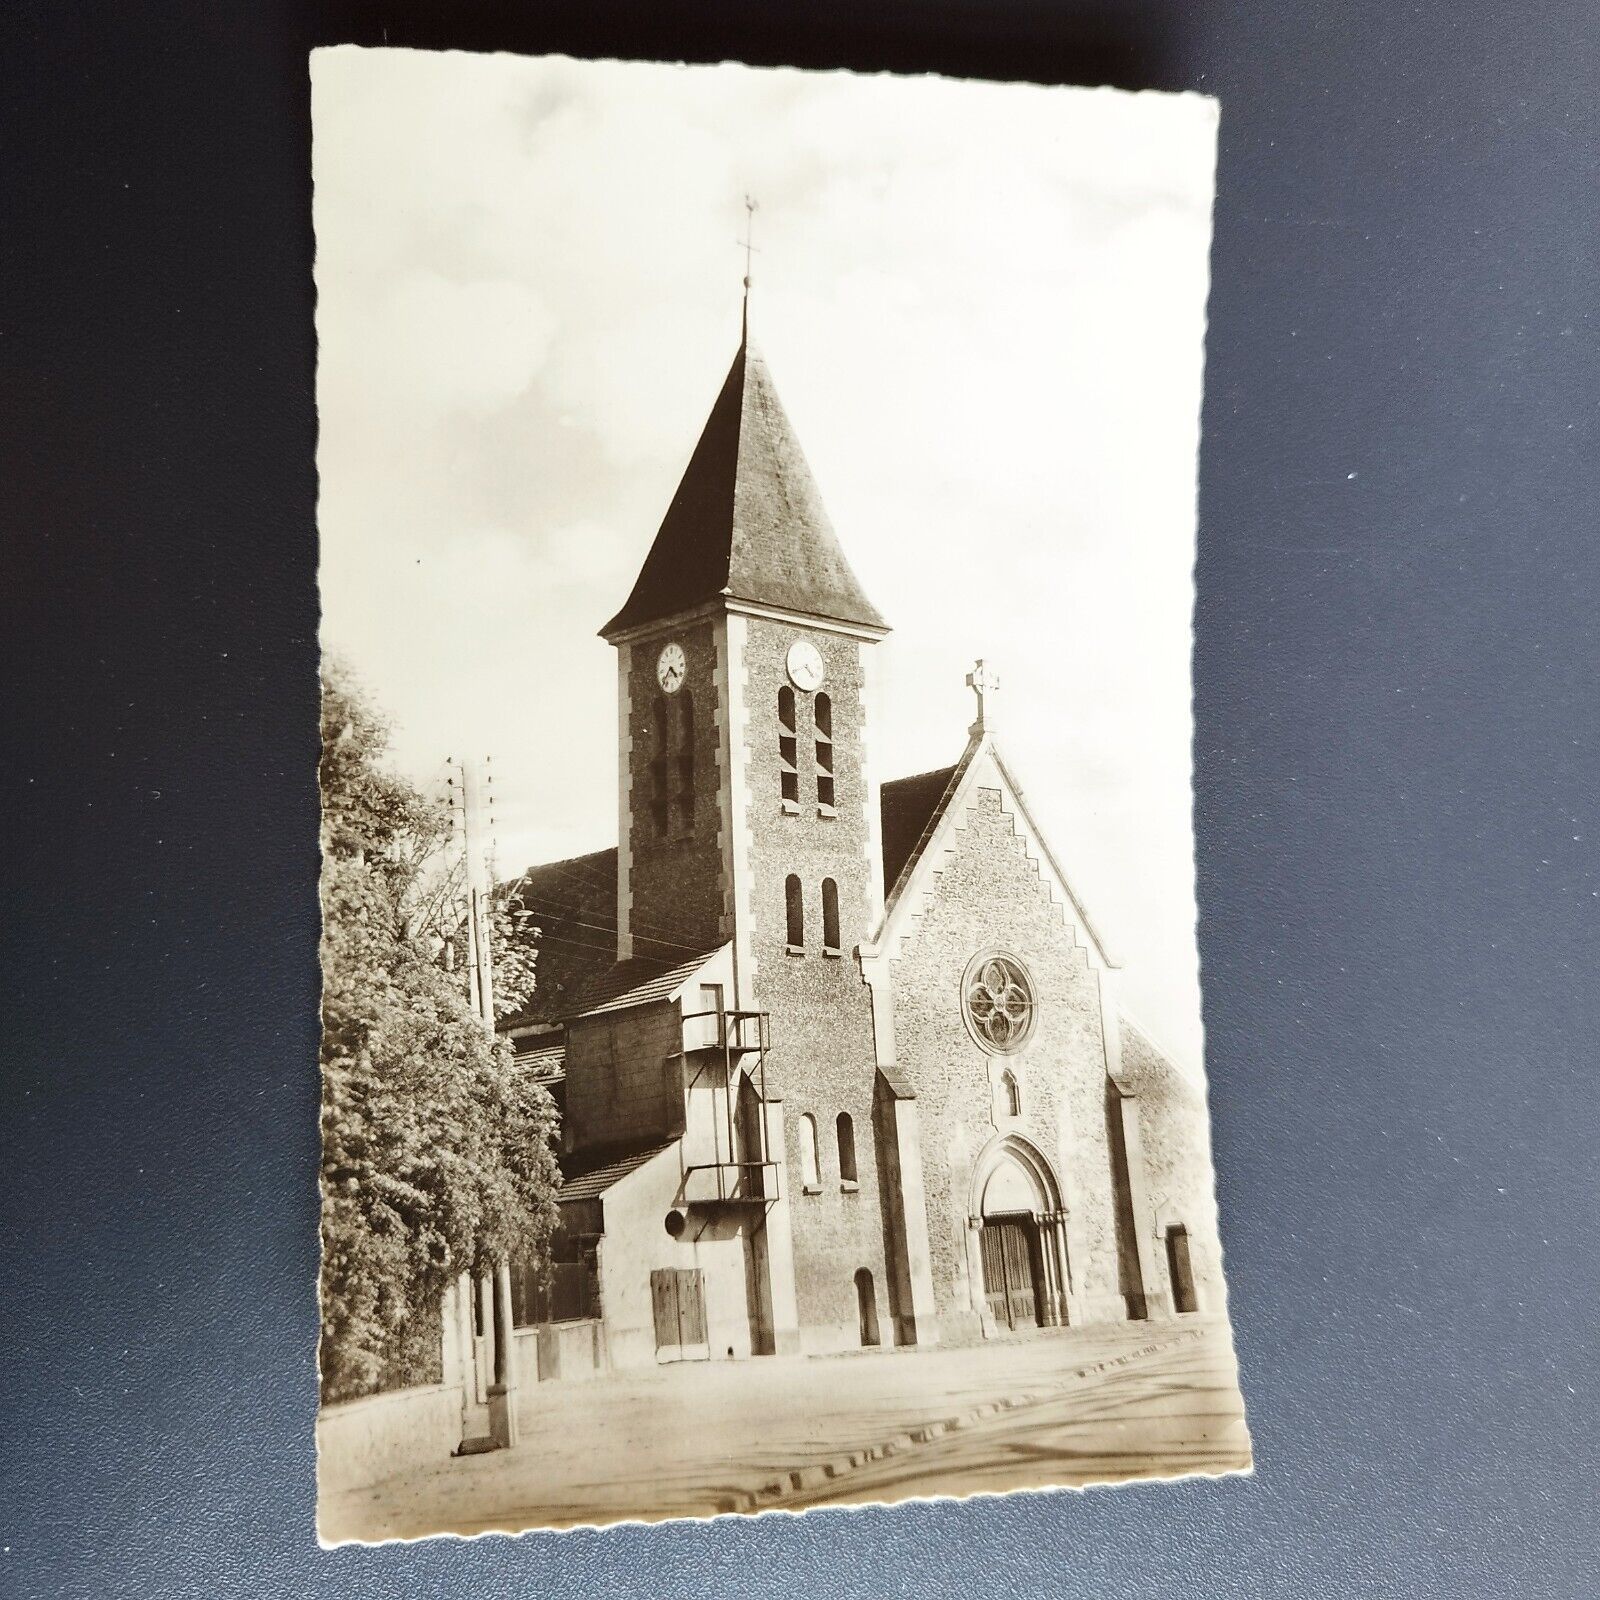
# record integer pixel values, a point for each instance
(1020, 1268)
(1180, 1269)
(867, 1307)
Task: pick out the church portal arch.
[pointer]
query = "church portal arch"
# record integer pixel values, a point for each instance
(1017, 1235)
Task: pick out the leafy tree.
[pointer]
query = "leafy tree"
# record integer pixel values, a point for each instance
(435, 1158)
(440, 917)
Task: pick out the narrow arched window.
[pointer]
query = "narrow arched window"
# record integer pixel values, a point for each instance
(1011, 1094)
(830, 917)
(847, 1149)
(795, 907)
(810, 1168)
(660, 804)
(822, 711)
(684, 765)
(788, 750)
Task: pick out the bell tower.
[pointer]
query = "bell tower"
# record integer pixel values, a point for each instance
(746, 808)
(750, 816)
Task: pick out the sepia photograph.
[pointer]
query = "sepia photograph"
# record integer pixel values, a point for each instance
(762, 1056)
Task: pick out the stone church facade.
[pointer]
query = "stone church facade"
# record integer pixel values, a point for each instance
(840, 1060)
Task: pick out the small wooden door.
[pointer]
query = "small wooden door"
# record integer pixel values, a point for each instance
(678, 1299)
(1181, 1270)
(1008, 1272)
(867, 1308)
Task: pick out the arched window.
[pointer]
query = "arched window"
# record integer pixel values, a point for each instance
(847, 1149)
(795, 906)
(1010, 1094)
(810, 1169)
(788, 757)
(684, 798)
(822, 711)
(659, 802)
(830, 917)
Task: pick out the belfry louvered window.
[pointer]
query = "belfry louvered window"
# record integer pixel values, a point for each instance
(683, 765)
(660, 804)
(788, 751)
(822, 713)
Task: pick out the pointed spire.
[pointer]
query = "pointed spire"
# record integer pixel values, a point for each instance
(747, 522)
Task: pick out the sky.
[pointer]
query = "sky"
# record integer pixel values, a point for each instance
(983, 306)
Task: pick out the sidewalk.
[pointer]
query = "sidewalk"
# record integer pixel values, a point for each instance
(696, 1439)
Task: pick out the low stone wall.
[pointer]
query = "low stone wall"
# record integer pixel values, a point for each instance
(364, 1441)
(570, 1350)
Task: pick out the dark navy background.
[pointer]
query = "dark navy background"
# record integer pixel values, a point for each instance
(1397, 770)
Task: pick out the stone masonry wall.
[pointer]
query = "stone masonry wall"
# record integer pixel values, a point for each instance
(989, 895)
(623, 1082)
(1180, 1186)
(822, 1060)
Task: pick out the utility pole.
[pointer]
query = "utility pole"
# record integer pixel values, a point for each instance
(477, 814)
(476, 804)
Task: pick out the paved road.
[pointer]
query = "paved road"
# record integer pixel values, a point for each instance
(1166, 1415)
(1064, 1407)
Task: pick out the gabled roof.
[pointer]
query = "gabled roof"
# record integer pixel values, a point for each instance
(981, 765)
(574, 905)
(747, 522)
(542, 1058)
(587, 1174)
(909, 807)
(636, 982)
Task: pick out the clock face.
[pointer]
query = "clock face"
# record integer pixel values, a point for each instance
(670, 667)
(805, 665)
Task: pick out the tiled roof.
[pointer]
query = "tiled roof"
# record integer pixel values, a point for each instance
(747, 520)
(542, 1058)
(636, 983)
(909, 806)
(587, 1174)
(574, 905)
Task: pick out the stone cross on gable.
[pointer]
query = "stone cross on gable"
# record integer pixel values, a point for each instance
(984, 682)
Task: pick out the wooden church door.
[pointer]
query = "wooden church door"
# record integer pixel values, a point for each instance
(1008, 1272)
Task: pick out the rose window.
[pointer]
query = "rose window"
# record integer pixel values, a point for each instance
(999, 1002)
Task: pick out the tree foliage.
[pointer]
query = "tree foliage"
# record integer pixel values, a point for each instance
(441, 918)
(435, 1158)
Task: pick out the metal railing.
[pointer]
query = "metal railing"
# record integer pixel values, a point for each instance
(742, 1170)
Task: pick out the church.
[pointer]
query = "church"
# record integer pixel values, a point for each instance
(839, 1058)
